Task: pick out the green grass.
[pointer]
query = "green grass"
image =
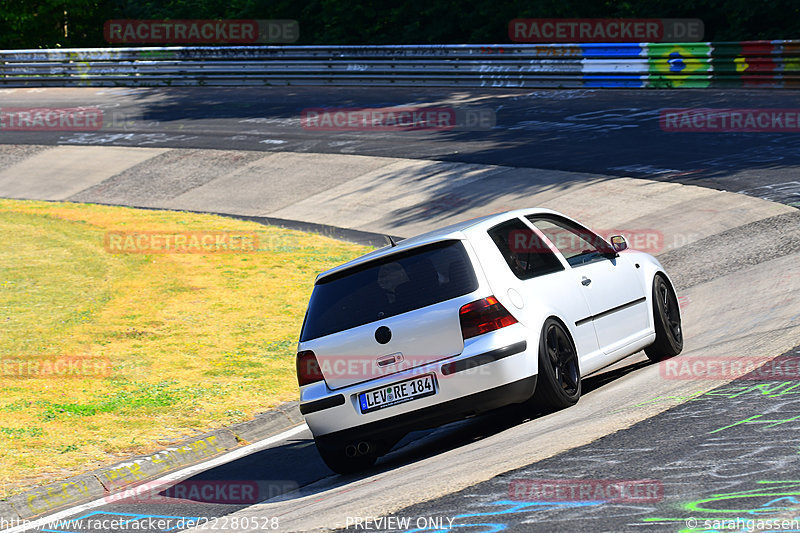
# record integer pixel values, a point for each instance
(194, 341)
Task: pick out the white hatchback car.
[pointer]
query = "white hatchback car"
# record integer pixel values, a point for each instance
(502, 309)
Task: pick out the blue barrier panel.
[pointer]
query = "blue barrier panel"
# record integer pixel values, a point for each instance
(612, 51)
(614, 65)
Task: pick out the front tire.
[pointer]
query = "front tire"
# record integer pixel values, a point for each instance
(559, 381)
(667, 319)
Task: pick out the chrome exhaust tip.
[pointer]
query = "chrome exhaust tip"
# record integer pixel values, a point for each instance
(364, 447)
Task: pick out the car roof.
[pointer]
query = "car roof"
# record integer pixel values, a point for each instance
(457, 231)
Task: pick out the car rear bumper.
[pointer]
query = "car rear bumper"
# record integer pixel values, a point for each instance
(387, 431)
(498, 370)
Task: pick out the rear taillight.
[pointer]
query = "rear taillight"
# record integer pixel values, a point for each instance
(308, 370)
(483, 316)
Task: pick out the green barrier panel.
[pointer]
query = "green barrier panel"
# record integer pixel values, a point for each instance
(679, 65)
(791, 64)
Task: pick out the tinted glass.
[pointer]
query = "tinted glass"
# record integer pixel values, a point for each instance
(577, 244)
(388, 286)
(527, 256)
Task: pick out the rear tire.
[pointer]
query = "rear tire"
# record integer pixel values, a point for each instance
(337, 460)
(559, 382)
(667, 319)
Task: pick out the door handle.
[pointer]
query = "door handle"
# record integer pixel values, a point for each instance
(585, 281)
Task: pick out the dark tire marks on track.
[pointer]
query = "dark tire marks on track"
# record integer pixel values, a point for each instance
(732, 452)
(608, 132)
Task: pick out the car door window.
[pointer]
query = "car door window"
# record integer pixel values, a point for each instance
(578, 245)
(525, 253)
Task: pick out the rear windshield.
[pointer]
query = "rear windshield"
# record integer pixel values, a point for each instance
(388, 286)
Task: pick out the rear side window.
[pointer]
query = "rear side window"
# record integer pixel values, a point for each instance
(388, 286)
(527, 256)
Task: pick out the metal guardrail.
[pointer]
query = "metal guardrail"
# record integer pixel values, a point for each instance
(669, 65)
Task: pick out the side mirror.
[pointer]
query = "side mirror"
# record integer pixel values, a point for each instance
(619, 243)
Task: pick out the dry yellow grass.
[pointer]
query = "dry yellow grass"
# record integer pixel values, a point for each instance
(194, 341)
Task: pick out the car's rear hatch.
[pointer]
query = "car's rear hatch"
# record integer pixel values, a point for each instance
(389, 314)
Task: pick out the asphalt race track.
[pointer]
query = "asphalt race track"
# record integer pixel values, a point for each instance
(610, 132)
(685, 452)
(703, 449)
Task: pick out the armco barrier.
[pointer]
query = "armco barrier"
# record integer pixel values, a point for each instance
(668, 65)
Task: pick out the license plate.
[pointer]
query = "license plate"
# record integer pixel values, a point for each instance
(397, 393)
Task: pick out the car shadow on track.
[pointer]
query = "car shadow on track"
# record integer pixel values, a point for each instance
(294, 469)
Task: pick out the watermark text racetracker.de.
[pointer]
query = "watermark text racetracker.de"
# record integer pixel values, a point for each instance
(78, 119)
(364, 368)
(232, 492)
(725, 368)
(55, 366)
(729, 120)
(600, 30)
(183, 242)
(576, 490)
(50, 119)
(398, 119)
(199, 31)
(642, 239)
